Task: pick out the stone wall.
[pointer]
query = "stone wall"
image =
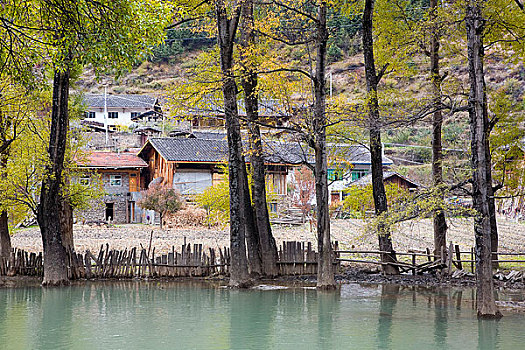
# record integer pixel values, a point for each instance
(118, 195)
(116, 141)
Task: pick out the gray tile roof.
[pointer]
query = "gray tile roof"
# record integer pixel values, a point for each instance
(209, 135)
(367, 179)
(176, 149)
(211, 107)
(120, 101)
(355, 154)
(213, 150)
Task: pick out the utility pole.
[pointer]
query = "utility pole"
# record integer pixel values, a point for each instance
(106, 113)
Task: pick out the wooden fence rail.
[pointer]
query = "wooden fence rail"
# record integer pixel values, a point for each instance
(192, 260)
(453, 257)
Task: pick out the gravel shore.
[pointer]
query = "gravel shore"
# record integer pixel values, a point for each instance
(350, 234)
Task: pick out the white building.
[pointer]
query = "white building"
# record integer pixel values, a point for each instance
(122, 110)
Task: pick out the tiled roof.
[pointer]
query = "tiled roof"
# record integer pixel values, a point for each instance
(113, 160)
(367, 179)
(215, 149)
(355, 154)
(190, 149)
(209, 135)
(176, 149)
(210, 106)
(120, 101)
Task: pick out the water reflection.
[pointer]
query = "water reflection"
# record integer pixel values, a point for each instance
(389, 296)
(174, 315)
(55, 319)
(255, 308)
(328, 303)
(440, 318)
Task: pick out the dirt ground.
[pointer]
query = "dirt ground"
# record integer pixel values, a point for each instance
(350, 234)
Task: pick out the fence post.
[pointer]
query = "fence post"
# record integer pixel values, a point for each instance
(413, 264)
(428, 254)
(458, 257)
(472, 259)
(449, 256)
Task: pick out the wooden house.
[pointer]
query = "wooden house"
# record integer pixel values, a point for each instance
(192, 164)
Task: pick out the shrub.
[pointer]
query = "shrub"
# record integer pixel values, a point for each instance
(215, 200)
(162, 199)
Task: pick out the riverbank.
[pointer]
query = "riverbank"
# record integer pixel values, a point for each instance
(348, 275)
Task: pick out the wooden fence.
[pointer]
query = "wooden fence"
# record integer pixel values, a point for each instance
(297, 258)
(192, 260)
(417, 262)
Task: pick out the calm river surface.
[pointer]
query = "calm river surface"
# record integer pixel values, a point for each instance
(185, 315)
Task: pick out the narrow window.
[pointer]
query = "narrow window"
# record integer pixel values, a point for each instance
(115, 180)
(113, 115)
(85, 180)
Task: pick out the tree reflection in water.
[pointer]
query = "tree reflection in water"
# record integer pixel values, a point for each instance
(389, 296)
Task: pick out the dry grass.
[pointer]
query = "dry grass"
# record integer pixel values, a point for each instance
(349, 233)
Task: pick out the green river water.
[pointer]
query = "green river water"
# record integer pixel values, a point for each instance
(185, 315)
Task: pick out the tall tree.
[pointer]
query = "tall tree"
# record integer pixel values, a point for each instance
(11, 125)
(105, 34)
(227, 24)
(439, 221)
(267, 245)
(481, 160)
(325, 267)
(50, 210)
(376, 152)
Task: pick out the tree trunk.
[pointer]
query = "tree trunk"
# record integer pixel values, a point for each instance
(252, 234)
(267, 245)
(50, 209)
(376, 151)
(494, 240)
(67, 225)
(482, 177)
(227, 26)
(5, 238)
(440, 223)
(325, 266)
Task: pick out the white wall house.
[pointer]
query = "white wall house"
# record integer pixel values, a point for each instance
(122, 110)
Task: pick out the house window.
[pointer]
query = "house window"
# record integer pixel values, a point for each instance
(357, 174)
(134, 115)
(335, 174)
(115, 180)
(89, 115)
(113, 115)
(84, 180)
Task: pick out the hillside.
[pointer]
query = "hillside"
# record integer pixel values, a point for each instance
(347, 76)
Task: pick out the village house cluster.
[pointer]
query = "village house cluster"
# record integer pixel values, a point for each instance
(190, 159)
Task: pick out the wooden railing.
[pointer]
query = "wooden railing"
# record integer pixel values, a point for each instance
(408, 261)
